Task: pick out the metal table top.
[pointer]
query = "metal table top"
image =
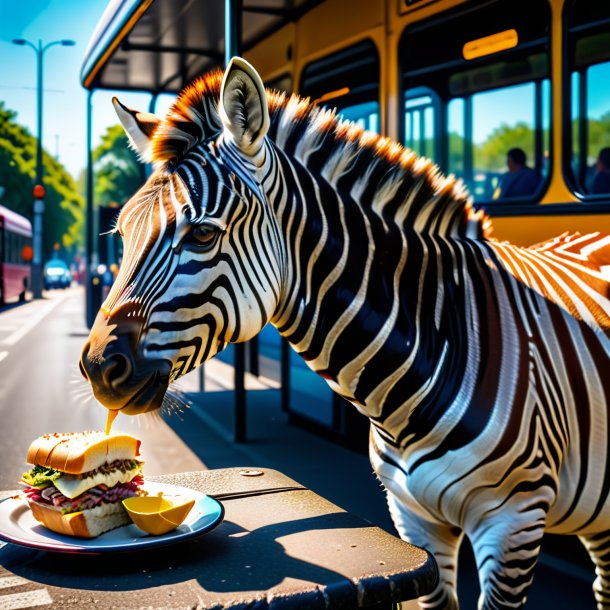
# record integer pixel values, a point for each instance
(280, 546)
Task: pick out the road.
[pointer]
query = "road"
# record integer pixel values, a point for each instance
(42, 390)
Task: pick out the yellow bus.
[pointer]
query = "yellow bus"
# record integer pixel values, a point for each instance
(459, 82)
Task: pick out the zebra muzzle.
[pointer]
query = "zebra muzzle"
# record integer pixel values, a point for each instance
(119, 377)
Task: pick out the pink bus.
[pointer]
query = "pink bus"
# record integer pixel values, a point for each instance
(15, 255)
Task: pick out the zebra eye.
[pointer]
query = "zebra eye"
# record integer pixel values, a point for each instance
(203, 236)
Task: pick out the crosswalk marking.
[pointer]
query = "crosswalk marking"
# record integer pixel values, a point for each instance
(12, 581)
(3, 355)
(27, 599)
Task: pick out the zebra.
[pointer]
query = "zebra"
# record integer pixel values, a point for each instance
(479, 363)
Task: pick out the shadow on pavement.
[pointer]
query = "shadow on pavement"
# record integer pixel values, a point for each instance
(228, 559)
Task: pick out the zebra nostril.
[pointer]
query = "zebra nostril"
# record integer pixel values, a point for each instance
(83, 372)
(116, 370)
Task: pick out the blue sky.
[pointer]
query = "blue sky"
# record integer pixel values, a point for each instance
(64, 122)
(599, 98)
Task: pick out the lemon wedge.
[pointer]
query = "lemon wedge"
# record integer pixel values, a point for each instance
(158, 515)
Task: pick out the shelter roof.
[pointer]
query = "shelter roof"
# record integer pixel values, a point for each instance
(161, 45)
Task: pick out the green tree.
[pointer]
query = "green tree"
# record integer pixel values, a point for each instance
(64, 206)
(118, 173)
(598, 136)
(456, 153)
(491, 154)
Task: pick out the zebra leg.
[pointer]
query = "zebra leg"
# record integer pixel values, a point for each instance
(441, 541)
(506, 550)
(598, 546)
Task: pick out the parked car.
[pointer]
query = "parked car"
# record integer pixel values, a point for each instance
(57, 274)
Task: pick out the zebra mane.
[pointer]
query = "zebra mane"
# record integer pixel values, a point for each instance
(436, 203)
(191, 119)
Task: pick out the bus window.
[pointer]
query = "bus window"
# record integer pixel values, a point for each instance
(485, 104)
(421, 133)
(506, 122)
(17, 249)
(587, 25)
(348, 81)
(589, 57)
(456, 135)
(366, 115)
(575, 169)
(598, 128)
(8, 247)
(12, 249)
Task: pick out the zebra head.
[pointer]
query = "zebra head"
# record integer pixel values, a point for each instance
(201, 263)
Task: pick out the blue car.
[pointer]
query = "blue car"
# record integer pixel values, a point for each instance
(57, 274)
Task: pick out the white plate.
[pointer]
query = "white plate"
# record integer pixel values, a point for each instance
(17, 525)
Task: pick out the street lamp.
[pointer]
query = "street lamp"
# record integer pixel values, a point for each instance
(39, 49)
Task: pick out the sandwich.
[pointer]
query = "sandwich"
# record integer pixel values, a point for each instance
(78, 480)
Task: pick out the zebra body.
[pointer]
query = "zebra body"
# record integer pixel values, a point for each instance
(480, 364)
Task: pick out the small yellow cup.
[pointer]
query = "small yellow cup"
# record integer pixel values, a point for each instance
(158, 515)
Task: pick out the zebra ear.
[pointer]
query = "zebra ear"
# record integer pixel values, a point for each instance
(139, 127)
(243, 106)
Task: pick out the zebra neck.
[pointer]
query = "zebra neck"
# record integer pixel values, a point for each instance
(363, 298)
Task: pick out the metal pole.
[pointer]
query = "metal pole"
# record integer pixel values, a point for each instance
(468, 152)
(37, 282)
(538, 127)
(253, 356)
(202, 377)
(39, 168)
(90, 309)
(240, 394)
(232, 44)
(583, 131)
(285, 374)
(38, 207)
(233, 10)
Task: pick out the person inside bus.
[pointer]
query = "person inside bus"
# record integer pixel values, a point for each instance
(601, 180)
(520, 180)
